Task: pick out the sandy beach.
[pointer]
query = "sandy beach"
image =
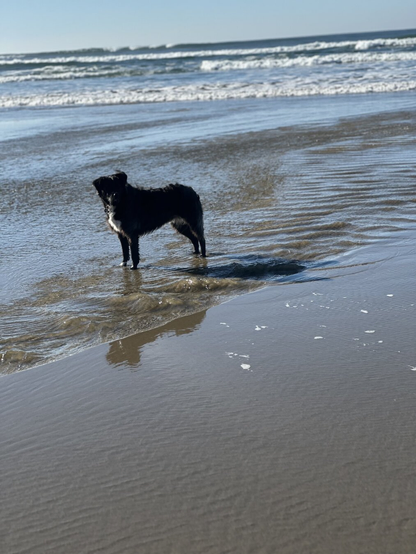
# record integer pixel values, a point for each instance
(280, 421)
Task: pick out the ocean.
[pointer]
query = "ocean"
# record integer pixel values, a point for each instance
(312, 66)
(302, 151)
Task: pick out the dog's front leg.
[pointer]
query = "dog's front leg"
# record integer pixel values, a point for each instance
(125, 247)
(134, 248)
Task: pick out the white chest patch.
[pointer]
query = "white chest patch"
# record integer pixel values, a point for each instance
(115, 224)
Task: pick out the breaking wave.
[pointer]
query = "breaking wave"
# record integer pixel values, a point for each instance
(202, 93)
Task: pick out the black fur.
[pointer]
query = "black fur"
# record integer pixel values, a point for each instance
(134, 211)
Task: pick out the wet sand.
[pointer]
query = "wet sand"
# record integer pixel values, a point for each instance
(280, 421)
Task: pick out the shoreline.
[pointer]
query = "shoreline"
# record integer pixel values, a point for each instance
(279, 420)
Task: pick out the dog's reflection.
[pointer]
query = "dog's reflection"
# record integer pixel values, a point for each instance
(127, 352)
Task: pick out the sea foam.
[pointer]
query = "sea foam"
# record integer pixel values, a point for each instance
(200, 93)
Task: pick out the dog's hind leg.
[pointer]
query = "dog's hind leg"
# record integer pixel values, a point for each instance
(203, 251)
(184, 229)
(197, 226)
(134, 248)
(125, 247)
(197, 229)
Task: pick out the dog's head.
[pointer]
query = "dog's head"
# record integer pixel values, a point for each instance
(111, 189)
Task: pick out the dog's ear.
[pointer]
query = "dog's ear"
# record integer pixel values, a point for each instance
(97, 183)
(121, 177)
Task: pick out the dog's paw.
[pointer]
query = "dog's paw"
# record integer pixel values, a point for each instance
(123, 264)
(133, 267)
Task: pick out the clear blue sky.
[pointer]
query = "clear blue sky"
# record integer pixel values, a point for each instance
(30, 26)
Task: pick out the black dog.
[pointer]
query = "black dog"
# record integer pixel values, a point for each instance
(133, 212)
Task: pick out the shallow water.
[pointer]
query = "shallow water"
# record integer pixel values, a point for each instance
(285, 197)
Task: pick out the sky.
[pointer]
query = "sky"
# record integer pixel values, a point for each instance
(48, 25)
